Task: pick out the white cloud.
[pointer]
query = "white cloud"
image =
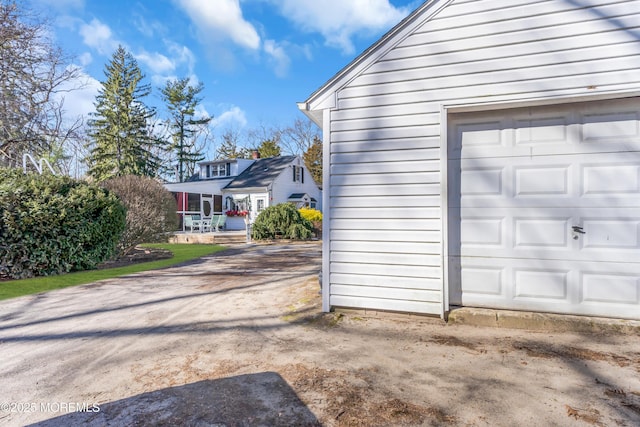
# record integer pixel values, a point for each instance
(278, 57)
(157, 62)
(163, 67)
(79, 97)
(181, 55)
(201, 112)
(338, 20)
(98, 36)
(85, 59)
(306, 51)
(146, 28)
(221, 19)
(159, 80)
(232, 116)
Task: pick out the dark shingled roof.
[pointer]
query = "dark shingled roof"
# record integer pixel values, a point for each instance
(262, 172)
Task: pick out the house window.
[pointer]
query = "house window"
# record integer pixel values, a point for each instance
(298, 174)
(208, 173)
(233, 204)
(193, 202)
(222, 169)
(260, 205)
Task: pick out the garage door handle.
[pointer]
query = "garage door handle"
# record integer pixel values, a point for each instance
(577, 229)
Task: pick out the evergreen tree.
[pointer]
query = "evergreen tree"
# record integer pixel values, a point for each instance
(313, 159)
(182, 99)
(230, 148)
(269, 148)
(122, 141)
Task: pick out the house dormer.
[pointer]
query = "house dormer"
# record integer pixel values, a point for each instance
(223, 168)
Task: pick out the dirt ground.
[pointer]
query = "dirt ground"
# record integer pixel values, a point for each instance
(238, 339)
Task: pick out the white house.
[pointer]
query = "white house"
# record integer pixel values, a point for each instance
(487, 153)
(240, 187)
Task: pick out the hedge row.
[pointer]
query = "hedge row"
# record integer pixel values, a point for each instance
(55, 224)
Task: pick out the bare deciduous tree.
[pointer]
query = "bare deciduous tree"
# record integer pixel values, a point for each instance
(299, 137)
(262, 133)
(34, 76)
(231, 147)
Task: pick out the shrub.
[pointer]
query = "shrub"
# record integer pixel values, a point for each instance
(52, 224)
(310, 214)
(151, 210)
(281, 221)
(315, 216)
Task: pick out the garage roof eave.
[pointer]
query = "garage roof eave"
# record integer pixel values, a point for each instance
(322, 97)
(314, 115)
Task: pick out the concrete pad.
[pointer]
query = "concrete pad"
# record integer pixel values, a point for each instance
(220, 237)
(541, 321)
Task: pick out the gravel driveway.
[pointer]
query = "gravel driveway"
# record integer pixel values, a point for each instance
(237, 339)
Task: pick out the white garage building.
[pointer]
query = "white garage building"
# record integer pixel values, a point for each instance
(487, 153)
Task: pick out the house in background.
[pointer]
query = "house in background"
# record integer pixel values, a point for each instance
(487, 153)
(242, 188)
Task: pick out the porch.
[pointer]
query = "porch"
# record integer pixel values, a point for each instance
(205, 206)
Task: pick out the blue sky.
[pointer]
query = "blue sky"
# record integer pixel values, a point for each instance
(256, 58)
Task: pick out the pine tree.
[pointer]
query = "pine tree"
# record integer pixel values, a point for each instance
(120, 131)
(313, 159)
(269, 148)
(182, 99)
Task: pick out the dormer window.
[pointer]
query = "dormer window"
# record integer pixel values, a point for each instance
(218, 170)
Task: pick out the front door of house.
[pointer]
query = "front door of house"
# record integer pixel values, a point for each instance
(261, 204)
(206, 205)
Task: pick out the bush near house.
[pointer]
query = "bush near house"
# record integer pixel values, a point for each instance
(51, 224)
(151, 210)
(310, 214)
(281, 221)
(315, 216)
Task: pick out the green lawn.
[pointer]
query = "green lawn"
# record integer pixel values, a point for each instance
(181, 253)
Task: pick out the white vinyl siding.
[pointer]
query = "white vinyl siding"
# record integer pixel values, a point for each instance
(385, 213)
(385, 131)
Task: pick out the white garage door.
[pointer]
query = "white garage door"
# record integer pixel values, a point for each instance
(544, 209)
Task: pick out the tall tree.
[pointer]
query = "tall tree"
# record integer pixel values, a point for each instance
(122, 141)
(299, 137)
(182, 100)
(269, 148)
(230, 147)
(34, 76)
(263, 132)
(313, 159)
